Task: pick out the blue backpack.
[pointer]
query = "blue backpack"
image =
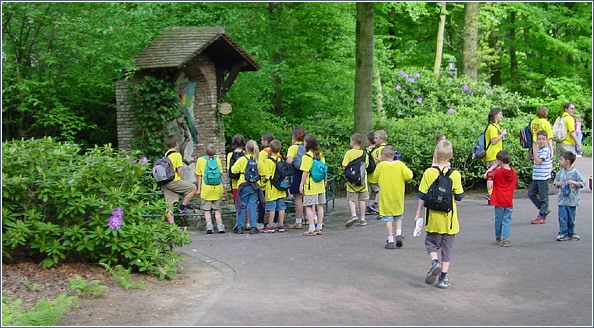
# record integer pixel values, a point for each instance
(251, 170)
(526, 136)
(480, 147)
(212, 171)
(318, 170)
(299, 157)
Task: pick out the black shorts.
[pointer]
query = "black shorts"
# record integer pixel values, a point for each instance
(295, 182)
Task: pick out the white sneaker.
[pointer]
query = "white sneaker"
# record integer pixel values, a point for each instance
(362, 222)
(418, 227)
(260, 226)
(221, 228)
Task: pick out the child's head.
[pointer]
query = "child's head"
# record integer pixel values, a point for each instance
(251, 147)
(566, 159)
(493, 116)
(171, 141)
(443, 151)
(210, 150)
(370, 139)
(275, 146)
(356, 140)
(439, 137)
(380, 136)
(298, 134)
(541, 138)
(238, 141)
(388, 153)
(267, 138)
(311, 143)
(503, 156)
(578, 117)
(542, 112)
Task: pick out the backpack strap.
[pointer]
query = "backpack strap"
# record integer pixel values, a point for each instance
(169, 152)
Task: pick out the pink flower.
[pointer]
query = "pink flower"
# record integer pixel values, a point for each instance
(451, 111)
(489, 91)
(420, 100)
(398, 87)
(410, 79)
(143, 160)
(417, 75)
(466, 88)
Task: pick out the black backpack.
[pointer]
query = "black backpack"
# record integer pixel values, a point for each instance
(282, 174)
(354, 171)
(234, 157)
(440, 195)
(372, 163)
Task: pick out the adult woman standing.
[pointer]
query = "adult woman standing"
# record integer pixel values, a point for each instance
(540, 123)
(495, 136)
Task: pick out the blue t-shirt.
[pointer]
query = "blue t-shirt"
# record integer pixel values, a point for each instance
(573, 197)
(542, 171)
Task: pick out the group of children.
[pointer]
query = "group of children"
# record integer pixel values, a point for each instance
(252, 172)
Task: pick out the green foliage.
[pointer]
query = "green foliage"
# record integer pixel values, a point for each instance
(31, 286)
(155, 103)
(87, 288)
(57, 203)
(44, 313)
(123, 277)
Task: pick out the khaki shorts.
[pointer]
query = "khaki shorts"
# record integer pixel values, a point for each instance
(373, 187)
(173, 189)
(561, 148)
(490, 163)
(207, 205)
(357, 196)
(311, 200)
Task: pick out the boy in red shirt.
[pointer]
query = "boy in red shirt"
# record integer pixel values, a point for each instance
(505, 179)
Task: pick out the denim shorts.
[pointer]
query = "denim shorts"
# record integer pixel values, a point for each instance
(276, 205)
(391, 218)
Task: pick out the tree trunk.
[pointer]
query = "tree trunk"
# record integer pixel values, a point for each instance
(440, 32)
(470, 60)
(364, 68)
(513, 60)
(496, 66)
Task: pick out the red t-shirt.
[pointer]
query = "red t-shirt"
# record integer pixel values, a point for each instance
(504, 186)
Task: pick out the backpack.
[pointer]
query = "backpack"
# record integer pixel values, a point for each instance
(163, 171)
(526, 136)
(298, 158)
(251, 173)
(318, 170)
(282, 174)
(559, 130)
(480, 147)
(372, 164)
(234, 157)
(212, 172)
(440, 195)
(355, 171)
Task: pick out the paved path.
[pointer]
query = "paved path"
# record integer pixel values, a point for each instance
(346, 277)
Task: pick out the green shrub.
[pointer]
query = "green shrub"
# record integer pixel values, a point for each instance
(44, 313)
(57, 203)
(87, 288)
(123, 277)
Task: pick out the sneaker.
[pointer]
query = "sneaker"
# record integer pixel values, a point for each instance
(362, 222)
(296, 226)
(368, 210)
(498, 241)
(539, 220)
(247, 227)
(374, 209)
(260, 226)
(390, 245)
(443, 283)
(433, 272)
(505, 243)
(399, 240)
(379, 217)
(253, 231)
(574, 237)
(185, 211)
(269, 229)
(220, 228)
(318, 232)
(351, 221)
(281, 228)
(238, 230)
(563, 238)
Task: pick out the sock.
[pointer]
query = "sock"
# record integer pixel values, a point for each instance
(312, 227)
(297, 220)
(362, 218)
(442, 275)
(353, 214)
(320, 227)
(398, 232)
(390, 239)
(182, 207)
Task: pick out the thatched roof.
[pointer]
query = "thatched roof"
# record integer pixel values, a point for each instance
(177, 45)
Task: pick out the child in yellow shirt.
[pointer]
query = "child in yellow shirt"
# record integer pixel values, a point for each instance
(356, 195)
(210, 193)
(275, 198)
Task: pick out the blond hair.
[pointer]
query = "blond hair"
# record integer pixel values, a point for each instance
(443, 151)
(381, 134)
(251, 147)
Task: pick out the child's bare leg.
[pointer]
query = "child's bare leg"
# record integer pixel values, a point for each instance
(361, 209)
(320, 211)
(218, 217)
(281, 217)
(352, 209)
(390, 229)
(309, 213)
(271, 217)
(298, 198)
(207, 217)
(189, 196)
(169, 216)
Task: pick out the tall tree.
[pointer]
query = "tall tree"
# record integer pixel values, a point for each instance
(440, 32)
(364, 67)
(470, 61)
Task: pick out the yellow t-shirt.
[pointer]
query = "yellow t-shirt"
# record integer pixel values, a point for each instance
(262, 156)
(311, 187)
(176, 160)
(440, 222)
(376, 153)
(292, 151)
(570, 125)
(208, 192)
(350, 156)
(233, 181)
(268, 167)
(541, 124)
(240, 166)
(493, 131)
(391, 177)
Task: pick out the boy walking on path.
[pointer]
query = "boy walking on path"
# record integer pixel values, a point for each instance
(275, 198)
(541, 174)
(505, 179)
(178, 185)
(380, 137)
(569, 181)
(441, 227)
(210, 187)
(356, 195)
(391, 176)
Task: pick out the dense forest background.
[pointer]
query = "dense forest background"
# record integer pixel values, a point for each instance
(60, 62)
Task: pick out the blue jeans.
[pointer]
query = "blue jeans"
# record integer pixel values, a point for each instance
(503, 222)
(539, 195)
(249, 201)
(566, 220)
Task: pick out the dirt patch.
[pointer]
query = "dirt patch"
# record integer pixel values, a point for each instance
(162, 303)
